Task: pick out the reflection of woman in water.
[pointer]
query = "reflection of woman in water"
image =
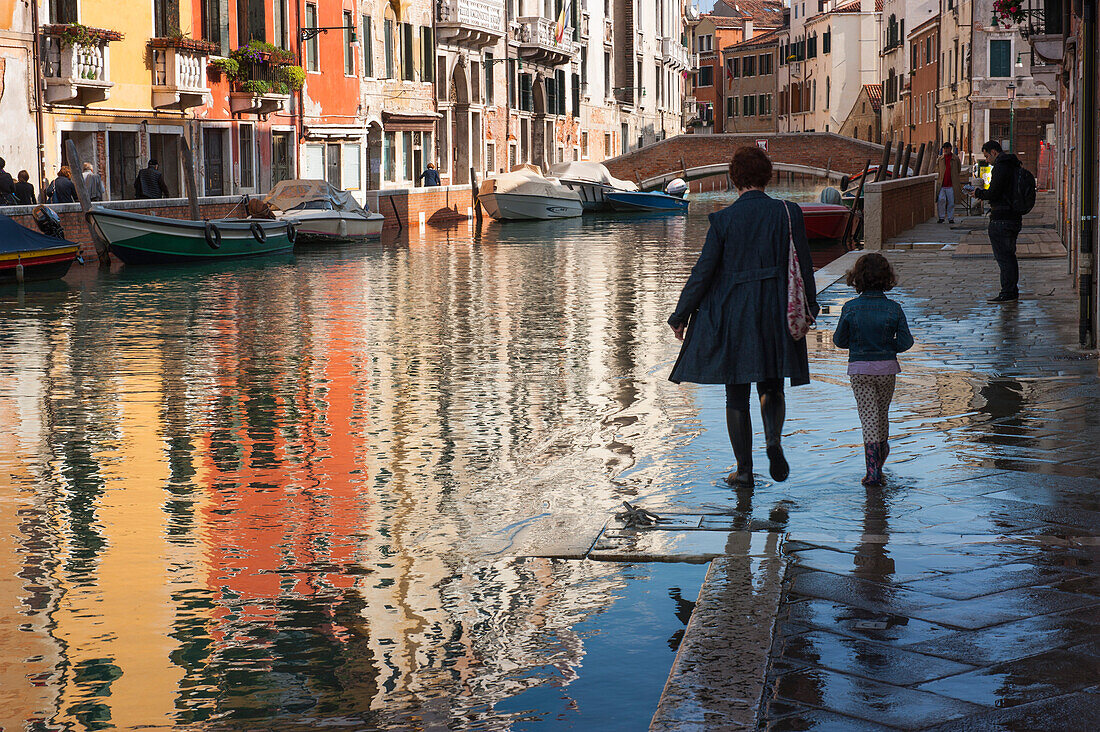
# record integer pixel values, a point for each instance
(874, 329)
(736, 301)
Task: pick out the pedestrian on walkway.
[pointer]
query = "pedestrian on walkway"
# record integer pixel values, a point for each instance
(874, 330)
(949, 174)
(7, 186)
(24, 191)
(93, 184)
(1004, 221)
(430, 176)
(734, 311)
(150, 182)
(62, 189)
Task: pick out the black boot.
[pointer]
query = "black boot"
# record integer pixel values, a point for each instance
(773, 410)
(739, 426)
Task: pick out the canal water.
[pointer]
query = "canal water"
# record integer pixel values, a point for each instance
(294, 493)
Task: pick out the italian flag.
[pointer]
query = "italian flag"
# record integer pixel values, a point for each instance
(559, 31)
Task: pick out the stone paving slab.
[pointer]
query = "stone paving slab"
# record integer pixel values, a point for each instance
(718, 675)
(1033, 243)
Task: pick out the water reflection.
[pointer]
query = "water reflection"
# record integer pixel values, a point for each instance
(275, 490)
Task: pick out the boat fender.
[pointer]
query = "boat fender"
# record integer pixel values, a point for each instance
(291, 231)
(213, 235)
(258, 232)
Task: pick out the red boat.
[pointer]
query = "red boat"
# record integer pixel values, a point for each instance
(826, 223)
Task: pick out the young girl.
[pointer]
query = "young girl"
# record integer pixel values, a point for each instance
(874, 330)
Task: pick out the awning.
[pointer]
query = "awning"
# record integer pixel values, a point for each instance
(334, 131)
(409, 121)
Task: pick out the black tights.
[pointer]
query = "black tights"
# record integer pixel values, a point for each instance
(773, 411)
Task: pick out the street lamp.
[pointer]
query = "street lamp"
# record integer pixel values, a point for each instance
(1011, 117)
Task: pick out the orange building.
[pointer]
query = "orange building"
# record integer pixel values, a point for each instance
(924, 83)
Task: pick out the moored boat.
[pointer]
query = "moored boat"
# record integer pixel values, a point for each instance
(29, 256)
(826, 223)
(322, 212)
(141, 239)
(526, 194)
(646, 201)
(592, 181)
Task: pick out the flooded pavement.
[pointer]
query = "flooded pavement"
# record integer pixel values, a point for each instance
(294, 492)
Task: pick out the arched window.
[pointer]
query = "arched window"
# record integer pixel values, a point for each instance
(828, 89)
(813, 94)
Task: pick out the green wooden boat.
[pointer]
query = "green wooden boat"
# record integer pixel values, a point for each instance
(141, 239)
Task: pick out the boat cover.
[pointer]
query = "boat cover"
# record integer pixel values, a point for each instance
(17, 238)
(289, 194)
(528, 182)
(590, 173)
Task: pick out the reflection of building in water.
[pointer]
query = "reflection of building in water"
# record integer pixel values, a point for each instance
(268, 491)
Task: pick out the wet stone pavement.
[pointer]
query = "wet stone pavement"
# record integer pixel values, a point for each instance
(969, 597)
(965, 594)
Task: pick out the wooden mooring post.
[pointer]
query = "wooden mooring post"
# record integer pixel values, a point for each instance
(881, 172)
(189, 184)
(904, 170)
(76, 170)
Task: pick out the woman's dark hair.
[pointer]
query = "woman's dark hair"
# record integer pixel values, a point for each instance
(872, 272)
(750, 168)
(24, 176)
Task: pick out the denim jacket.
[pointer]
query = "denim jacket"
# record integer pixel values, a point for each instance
(873, 328)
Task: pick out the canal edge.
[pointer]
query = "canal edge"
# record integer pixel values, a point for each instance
(718, 676)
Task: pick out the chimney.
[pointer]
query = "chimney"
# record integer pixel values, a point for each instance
(747, 34)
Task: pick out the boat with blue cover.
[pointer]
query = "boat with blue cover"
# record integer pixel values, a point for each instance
(27, 255)
(646, 201)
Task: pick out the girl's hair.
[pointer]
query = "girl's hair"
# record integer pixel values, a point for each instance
(24, 176)
(872, 272)
(750, 168)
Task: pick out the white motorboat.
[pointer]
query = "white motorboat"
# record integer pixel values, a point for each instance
(526, 194)
(593, 181)
(322, 212)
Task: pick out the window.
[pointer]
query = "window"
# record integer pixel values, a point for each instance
(215, 26)
(765, 64)
(1000, 57)
(426, 53)
(387, 40)
(64, 11)
(705, 76)
(408, 71)
(163, 24)
(407, 150)
(811, 51)
(368, 46)
(735, 67)
(281, 21)
(350, 163)
(761, 104)
(248, 177)
(312, 59)
(607, 89)
(349, 51)
(389, 155)
(607, 144)
(748, 106)
(584, 144)
(313, 162)
(489, 79)
(525, 92)
(827, 41)
(731, 106)
(748, 66)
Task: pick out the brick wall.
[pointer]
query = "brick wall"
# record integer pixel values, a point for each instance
(894, 206)
(817, 149)
(437, 205)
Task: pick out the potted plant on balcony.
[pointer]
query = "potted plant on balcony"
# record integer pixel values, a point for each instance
(1008, 12)
(75, 34)
(181, 42)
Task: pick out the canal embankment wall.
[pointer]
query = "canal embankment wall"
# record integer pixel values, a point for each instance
(893, 206)
(402, 207)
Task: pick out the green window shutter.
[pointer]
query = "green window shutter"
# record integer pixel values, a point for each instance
(1000, 57)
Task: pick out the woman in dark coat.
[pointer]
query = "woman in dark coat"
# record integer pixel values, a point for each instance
(736, 302)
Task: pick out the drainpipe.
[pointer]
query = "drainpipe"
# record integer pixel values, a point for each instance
(39, 82)
(1088, 163)
(300, 121)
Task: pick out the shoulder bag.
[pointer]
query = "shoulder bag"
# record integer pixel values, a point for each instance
(799, 320)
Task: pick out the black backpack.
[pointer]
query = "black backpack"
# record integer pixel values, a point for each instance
(1022, 196)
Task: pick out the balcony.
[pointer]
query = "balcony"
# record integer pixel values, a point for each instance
(179, 73)
(537, 42)
(259, 90)
(675, 53)
(473, 23)
(76, 64)
(608, 32)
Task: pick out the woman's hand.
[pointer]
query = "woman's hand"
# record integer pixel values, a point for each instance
(678, 330)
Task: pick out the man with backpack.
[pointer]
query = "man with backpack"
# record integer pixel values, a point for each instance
(1011, 194)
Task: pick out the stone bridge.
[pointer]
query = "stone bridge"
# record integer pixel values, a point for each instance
(823, 154)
